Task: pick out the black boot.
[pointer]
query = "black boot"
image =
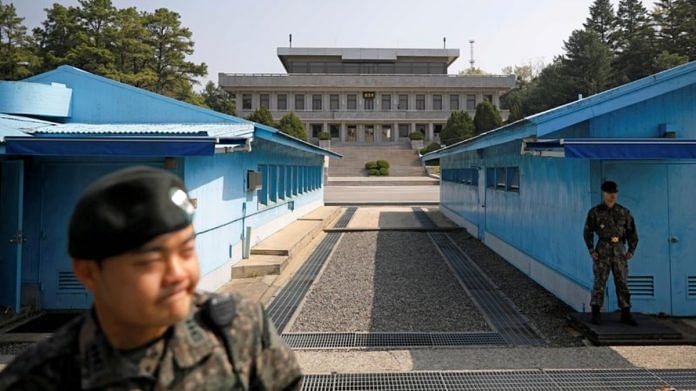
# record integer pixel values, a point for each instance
(596, 315)
(626, 317)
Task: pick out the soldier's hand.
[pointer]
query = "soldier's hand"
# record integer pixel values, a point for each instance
(595, 255)
(629, 255)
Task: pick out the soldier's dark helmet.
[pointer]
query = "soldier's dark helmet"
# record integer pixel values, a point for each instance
(610, 187)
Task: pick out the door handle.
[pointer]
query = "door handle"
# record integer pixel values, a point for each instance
(674, 239)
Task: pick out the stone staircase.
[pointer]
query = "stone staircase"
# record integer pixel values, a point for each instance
(404, 162)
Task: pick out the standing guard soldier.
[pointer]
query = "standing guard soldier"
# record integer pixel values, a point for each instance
(133, 246)
(615, 229)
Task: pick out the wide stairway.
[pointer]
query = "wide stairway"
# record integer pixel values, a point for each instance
(403, 160)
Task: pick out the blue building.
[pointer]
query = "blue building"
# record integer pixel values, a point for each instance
(524, 189)
(62, 129)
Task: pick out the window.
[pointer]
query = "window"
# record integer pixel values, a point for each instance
(403, 130)
(263, 193)
(335, 130)
(369, 104)
(352, 102)
(316, 129)
(513, 179)
(403, 102)
(333, 102)
(437, 128)
(454, 102)
(246, 102)
(282, 102)
(316, 67)
(490, 178)
(265, 101)
(471, 102)
(420, 102)
(500, 180)
(488, 98)
(299, 101)
(316, 102)
(273, 183)
(466, 176)
(437, 102)
(386, 102)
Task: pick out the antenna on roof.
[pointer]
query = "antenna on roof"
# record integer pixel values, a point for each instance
(444, 42)
(290, 40)
(471, 61)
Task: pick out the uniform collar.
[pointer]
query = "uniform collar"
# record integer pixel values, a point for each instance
(102, 365)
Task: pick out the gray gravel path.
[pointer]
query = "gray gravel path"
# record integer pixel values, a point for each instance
(541, 307)
(387, 281)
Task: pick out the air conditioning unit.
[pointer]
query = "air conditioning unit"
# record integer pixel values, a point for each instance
(254, 180)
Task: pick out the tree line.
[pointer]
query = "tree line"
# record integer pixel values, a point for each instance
(144, 49)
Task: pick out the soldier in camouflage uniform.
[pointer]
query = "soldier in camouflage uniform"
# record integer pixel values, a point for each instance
(132, 245)
(615, 229)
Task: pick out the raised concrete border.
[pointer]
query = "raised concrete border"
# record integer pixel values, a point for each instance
(450, 214)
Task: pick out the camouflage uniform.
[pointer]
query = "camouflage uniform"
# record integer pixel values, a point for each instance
(190, 356)
(615, 228)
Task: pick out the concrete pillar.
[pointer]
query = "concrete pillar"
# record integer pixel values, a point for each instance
(395, 135)
(361, 133)
(344, 131)
(413, 127)
(431, 132)
(496, 100)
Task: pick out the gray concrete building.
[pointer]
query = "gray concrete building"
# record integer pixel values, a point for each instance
(366, 96)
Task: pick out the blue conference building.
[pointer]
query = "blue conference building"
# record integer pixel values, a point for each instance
(62, 129)
(524, 189)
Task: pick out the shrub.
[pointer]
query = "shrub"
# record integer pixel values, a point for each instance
(416, 136)
(292, 125)
(382, 164)
(384, 171)
(373, 171)
(487, 117)
(324, 136)
(371, 165)
(430, 148)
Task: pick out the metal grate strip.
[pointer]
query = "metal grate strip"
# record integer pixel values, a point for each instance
(527, 380)
(390, 339)
(284, 305)
(496, 307)
(691, 286)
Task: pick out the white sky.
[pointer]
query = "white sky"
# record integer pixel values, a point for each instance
(242, 36)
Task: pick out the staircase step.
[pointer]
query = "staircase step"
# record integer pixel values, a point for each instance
(260, 265)
(290, 239)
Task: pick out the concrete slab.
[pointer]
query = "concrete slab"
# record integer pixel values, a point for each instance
(325, 214)
(259, 265)
(362, 195)
(438, 218)
(395, 218)
(611, 332)
(289, 239)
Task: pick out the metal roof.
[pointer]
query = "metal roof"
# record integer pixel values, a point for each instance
(13, 125)
(237, 130)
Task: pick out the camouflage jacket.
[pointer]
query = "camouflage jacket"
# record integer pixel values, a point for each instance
(608, 223)
(191, 356)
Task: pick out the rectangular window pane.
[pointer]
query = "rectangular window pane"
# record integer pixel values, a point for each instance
(420, 102)
(316, 129)
(500, 178)
(386, 102)
(437, 102)
(471, 102)
(246, 101)
(282, 102)
(352, 102)
(490, 177)
(489, 98)
(299, 101)
(333, 102)
(264, 101)
(335, 130)
(369, 104)
(403, 130)
(263, 193)
(454, 102)
(403, 102)
(316, 102)
(513, 178)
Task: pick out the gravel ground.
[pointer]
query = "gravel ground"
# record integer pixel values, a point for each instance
(387, 281)
(543, 309)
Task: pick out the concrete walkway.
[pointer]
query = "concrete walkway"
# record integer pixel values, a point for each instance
(382, 195)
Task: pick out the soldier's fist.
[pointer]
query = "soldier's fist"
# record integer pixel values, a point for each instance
(595, 255)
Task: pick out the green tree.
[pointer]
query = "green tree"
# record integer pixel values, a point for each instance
(218, 99)
(171, 43)
(291, 125)
(16, 56)
(472, 72)
(132, 54)
(459, 127)
(602, 20)
(57, 35)
(487, 117)
(587, 62)
(263, 116)
(635, 43)
(676, 30)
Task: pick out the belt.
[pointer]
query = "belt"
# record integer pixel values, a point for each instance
(612, 240)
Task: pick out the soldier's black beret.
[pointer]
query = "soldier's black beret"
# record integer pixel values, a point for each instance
(125, 210)
(610, 187)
